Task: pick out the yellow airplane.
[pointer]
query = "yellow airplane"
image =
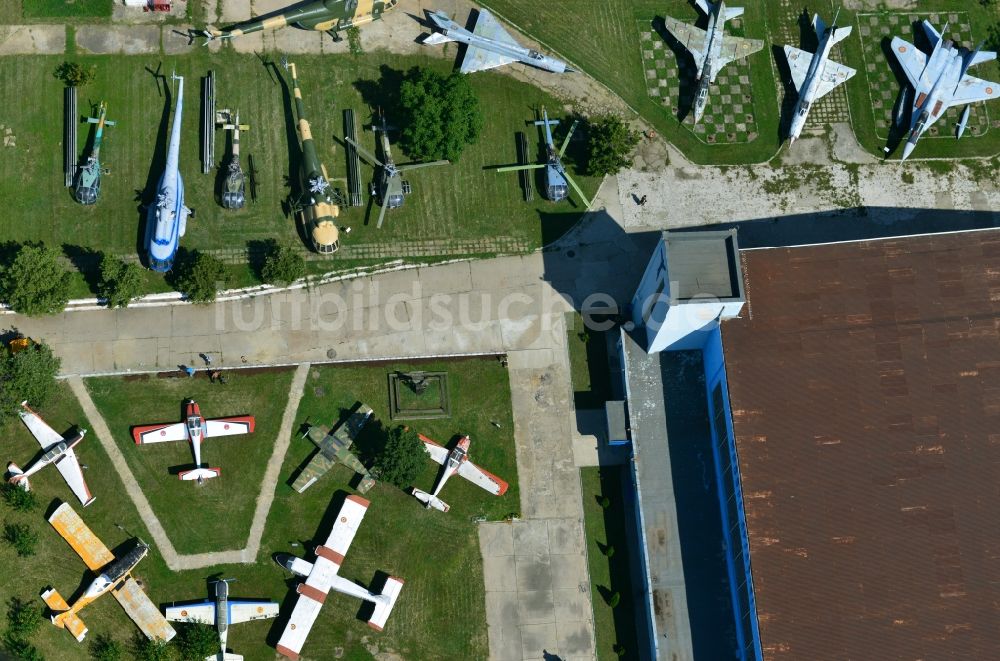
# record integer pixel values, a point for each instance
(113, 575)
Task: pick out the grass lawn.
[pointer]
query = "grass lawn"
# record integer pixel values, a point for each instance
(457, 203)
(441, 611)
(606, 527)
(190, 513)
(66, 8)
(588, 360)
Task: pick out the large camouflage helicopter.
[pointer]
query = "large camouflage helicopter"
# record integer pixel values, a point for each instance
(88, 176)
(234, 187)
(329, 16)
(389, 187)
(318, 202)
(556, 177)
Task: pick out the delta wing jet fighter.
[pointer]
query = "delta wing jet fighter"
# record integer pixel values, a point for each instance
(193, 429)
(167, 217)
(58, 450)
(456, 462)
(815, 75)
(114, 575)
(489, 44)
(335, 448)
(557, 180)
(321, 577)
(331, 16)
(234, 187)
(222, 612)
(88, 176)
(390, 187)
(711, 49)
(941, 81)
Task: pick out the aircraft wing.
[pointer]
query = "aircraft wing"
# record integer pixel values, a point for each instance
(734, 48)
(143, 611)
(483, 479)
(229, 426)
(911, 59)
(91, 550)
(972, 89)
(145, 434)
(312, 593)
(833, 74)
(69, 467)
(798, 63)
(437, 452)
(480, 59)
(202, 612)
(691, 37)
(245, 610)
(44, 434)
(315, 469)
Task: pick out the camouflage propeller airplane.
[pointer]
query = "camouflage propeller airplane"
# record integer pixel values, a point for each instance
(390, 188)
(335, 447)
(88, 178)
(330, 16)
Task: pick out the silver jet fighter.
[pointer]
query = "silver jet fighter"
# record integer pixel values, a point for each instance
(815, 75)
(489, 44)
(711, 49)
(940, 81)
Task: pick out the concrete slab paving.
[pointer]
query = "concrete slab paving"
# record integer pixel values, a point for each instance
(32, 39)
(125, 39)
(533, 572)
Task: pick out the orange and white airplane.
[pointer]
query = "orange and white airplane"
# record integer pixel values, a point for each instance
(114, 575)
(194, 428)
(321, 577)
(58, 450)
(456, 462)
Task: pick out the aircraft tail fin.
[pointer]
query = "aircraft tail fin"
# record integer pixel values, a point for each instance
(62, 616)
(383, 607)
(980, 56)
(840, 34)
(430, 501)
(435, 38)
(224, 656)
(733, 12)
(818, 25)
(199, 474)
(705, 6)
(16, 476)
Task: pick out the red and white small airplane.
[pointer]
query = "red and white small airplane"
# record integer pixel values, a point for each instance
(194, 428)
(322, 576)
(58, 450)
(456, 461)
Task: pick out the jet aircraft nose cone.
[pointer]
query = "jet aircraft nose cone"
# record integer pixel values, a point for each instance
(907, 150)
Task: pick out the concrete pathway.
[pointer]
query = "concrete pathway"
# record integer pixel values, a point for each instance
(537, 580)
(174, 560)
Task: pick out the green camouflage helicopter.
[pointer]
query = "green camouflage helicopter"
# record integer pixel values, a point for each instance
(329, 16)
(88, 176)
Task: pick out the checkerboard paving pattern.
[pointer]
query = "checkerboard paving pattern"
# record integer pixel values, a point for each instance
(878, 28)
(730, 116)
(832, 107)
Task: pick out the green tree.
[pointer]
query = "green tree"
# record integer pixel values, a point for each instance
(18, 498)
(21, 537)
(28, 374)
(614, 599)
(441, 115)
(35, 282)
(74, 74)
(23, 617)
(21, 649)
(145, 649)
(610, 144)
(608, 551)
(195, 641)
(201, 277)
(106, 648)
(402, 458)
(282, 265)
(121, 281)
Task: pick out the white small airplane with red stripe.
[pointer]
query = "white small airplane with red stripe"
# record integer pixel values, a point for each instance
(58, 450)
(456, 462)
(322, 576)
(194, 428)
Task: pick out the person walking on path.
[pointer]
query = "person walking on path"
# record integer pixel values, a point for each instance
(207, 359)
(642, 201)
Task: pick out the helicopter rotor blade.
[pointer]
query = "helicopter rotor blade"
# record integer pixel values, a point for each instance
(577, 189)
(381, 214)
(562, 150)
(414, 166)
(515, 168)
(364, 153)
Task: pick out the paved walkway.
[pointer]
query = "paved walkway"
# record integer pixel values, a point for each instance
(174, 560)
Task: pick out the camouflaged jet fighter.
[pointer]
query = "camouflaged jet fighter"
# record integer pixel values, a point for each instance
(329, 16)
(711, 49)
(335, 447)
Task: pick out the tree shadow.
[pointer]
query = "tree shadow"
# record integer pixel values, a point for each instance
(384, 92)
(87, 261)
(258, 251)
